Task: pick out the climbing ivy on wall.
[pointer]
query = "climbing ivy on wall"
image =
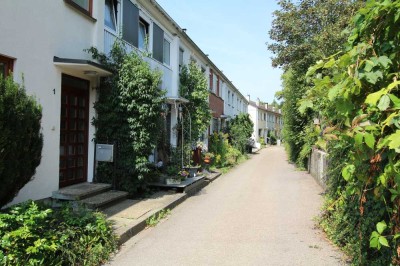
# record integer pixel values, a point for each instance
(357, 93)
(129, 108)
(193, 87)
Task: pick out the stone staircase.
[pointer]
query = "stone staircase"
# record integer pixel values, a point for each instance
(93, 195)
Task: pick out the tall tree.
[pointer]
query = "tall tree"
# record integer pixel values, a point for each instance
(303, 33)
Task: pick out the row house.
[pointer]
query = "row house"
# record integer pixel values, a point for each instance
(63, 77)
(267, 120)
(226, 101)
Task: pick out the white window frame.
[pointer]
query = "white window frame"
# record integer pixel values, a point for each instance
(142, 22)
(169, 51)
(114, 16)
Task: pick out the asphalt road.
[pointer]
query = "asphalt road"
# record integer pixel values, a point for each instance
(260, 213)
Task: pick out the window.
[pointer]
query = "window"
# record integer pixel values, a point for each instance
(166, 52)
(181, 51)
(218, 80)
(211, 80)
(229, 98)
(110, 14)
(85, 6)
(203, 70)
(215, 86)
(6, 65)
(143, 33)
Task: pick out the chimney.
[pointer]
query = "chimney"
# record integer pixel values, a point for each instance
(258, 101)
(248, 97)
(266, 106)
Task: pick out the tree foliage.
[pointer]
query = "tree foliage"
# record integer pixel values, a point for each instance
(304, 32)
(129, 110)
(240, 130)
(356, 93)
(193, 87)
(21, 140)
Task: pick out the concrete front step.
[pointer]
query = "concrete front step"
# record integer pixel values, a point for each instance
(80, 191)
(104, 199)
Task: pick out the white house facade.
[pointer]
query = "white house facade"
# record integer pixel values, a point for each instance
(44, 46)
(267, 120)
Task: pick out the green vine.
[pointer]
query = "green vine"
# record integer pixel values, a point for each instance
(129, 110)
(356, 93)
(193, 87)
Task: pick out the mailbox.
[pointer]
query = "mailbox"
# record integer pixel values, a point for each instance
(104, 153)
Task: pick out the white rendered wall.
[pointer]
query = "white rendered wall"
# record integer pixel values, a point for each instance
(36, 31)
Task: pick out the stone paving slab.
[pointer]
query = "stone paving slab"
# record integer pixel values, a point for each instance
(129, 216)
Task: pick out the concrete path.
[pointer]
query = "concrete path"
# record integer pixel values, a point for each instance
(260, 213)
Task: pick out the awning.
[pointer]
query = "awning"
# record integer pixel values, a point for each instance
(81, 66)
(172, 100)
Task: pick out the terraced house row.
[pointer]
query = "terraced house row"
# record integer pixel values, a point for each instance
(43, 43)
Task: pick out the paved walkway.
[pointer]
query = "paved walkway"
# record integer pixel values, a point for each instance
(260, 213)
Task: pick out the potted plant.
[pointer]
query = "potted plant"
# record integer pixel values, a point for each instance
(183, 174)
(208, 156)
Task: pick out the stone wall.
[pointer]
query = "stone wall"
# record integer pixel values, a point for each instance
(318, 166)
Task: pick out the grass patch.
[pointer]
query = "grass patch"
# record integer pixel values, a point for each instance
(156, 218)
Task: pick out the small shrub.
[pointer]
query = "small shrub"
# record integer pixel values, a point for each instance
(21, 140)
(33, 234)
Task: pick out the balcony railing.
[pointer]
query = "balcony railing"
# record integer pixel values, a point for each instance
(110, 38)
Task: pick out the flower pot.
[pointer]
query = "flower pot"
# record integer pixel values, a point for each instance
(207, 160)
(192, 170)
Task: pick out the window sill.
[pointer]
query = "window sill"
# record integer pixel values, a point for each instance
(80, 10)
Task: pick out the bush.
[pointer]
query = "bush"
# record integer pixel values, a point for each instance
(32, 234)
(219, 146)
(21, 140)
(225, 153)
(240, 130)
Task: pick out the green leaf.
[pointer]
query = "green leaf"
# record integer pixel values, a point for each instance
(333, 92)
(358, 138)
(394, 140)
(369, 65)
(304, 104)
(384, 103)
(383, 241)
(348, 172)
(395, 100)
(384, 61)
(330, 63)
(373, 240)
(369, 140)
(381, 226)
(372, 77)
(373, 98)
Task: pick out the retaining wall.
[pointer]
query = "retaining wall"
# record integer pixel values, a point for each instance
(318, 166)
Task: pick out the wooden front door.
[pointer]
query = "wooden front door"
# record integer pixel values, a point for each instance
(74, 125)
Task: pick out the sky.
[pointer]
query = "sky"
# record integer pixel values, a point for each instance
(233, 34)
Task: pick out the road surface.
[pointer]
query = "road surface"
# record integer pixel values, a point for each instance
(260, 213)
